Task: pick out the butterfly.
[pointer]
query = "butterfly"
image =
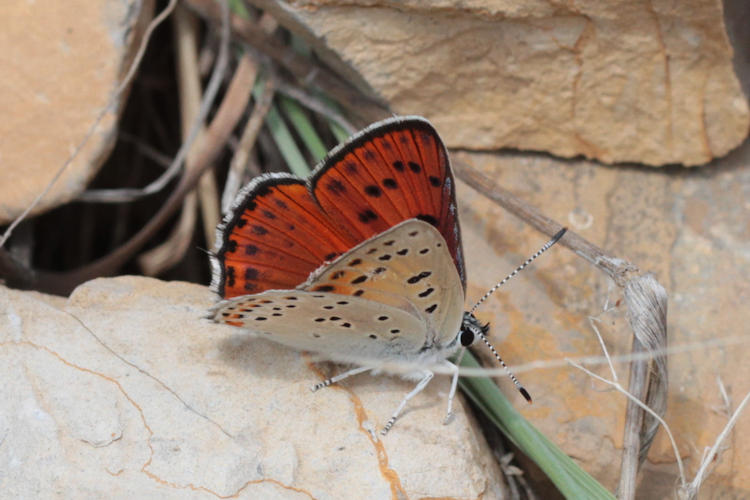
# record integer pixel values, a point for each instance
(361, 263)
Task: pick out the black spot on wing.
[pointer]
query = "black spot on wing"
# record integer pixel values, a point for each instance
(430, 219)
(367, 216)
(390, 183)
(418, 277)
(335, 186)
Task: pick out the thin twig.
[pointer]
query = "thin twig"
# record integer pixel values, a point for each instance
(604, 348)
(617, 269)
(644, 408)
(247, 142)
(725, 399)
(691, 491)
(113, 101)
(145, 149)
(171, 251)
(550, 364)
(229, 113)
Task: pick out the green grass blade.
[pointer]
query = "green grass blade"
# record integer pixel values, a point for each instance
(238, 7)
(338, 131)
(282, 136)
(304, 127)
(570, 479)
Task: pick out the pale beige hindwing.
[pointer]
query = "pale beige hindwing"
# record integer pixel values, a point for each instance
(408, 267)
(338, 327)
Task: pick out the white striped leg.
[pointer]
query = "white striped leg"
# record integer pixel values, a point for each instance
(339, 377)
(421, 385)
(454, 385)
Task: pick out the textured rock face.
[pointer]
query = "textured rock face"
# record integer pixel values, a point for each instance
(126, 391)
(688, 227)
(63, 61)
(620, 81)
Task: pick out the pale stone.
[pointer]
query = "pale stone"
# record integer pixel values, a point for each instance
(61, 63)
(127, 391)
(641, 82)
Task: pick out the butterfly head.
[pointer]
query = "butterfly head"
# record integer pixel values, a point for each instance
(471, 328)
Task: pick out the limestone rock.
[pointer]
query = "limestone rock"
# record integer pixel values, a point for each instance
(61, 63)
(646, 82)
(126, 391)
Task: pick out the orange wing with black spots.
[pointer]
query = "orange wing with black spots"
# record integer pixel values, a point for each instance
(392, 171)
(273, 238)
(282, 228)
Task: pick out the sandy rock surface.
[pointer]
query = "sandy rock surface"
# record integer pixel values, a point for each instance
(61, 63)
(616, 81)
(124, 391)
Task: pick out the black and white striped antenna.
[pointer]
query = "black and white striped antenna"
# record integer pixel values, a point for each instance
(539, 252)
(479, 331)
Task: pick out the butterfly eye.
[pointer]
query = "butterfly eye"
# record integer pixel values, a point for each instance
(467, 337)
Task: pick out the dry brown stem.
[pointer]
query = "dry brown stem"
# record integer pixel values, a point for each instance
(247, 142)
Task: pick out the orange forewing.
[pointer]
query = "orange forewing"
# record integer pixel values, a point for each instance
(282, 228)
(393, 171)
(275, 239)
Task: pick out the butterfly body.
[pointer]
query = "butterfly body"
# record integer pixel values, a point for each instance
(361, 263)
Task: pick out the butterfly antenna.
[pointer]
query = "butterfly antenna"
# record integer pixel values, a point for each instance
(479, 333)
(539, 252)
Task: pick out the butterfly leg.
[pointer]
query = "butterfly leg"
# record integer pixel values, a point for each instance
(421, 385)
(452, 392)
(339, 377)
